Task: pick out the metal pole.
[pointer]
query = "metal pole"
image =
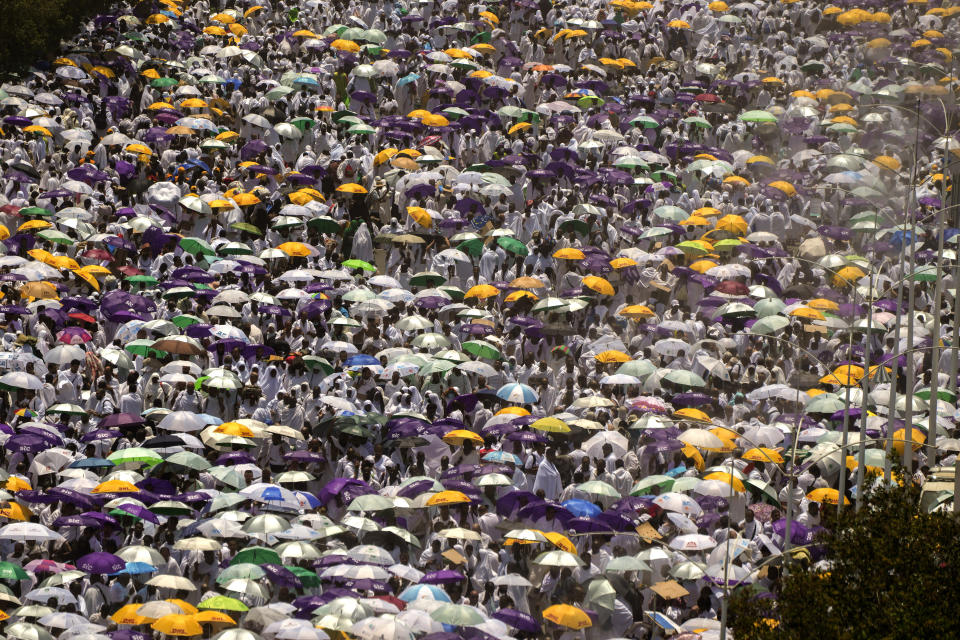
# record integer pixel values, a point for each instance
(892, 401)
(846, 428)
(911, 301)
(862, 449)
(935, 354)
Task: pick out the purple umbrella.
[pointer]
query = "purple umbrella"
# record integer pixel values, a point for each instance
(282, 576)
(518, 620)
(101, 562)
(137, 511)
(444, 576)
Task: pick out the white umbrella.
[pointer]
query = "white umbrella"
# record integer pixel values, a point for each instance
(64, 354)
(28, 531)
(693, 542)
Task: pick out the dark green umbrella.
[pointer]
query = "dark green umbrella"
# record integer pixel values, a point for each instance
(513, 245)
(324, 224)
(427, 279)
(246, 226)
(472, 247)
(256, 555)
(577, 226)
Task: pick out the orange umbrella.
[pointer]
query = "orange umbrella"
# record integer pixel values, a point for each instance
(569, 254)
(481, 291)
(598, 284)
(447, 497)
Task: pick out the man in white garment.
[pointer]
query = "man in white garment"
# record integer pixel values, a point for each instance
(548, 478)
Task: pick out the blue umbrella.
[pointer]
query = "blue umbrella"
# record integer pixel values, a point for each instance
(360, 360)
(407, 79)
(91, 463)
(502, 456)
(582, 508)
(430, 590)
(518, 393)
(135, 569)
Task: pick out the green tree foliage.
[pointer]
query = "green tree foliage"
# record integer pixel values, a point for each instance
(894, 574)
(33, 29)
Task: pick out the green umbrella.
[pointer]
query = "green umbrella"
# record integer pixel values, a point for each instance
(316, 362)
(427, 279)
(925, 273)
(481, 349)
(189, 460)
(599, 488)
(67, 409)
(223, 603)
(457, 615)
(684, 378)
(142, 348)
(436, 366)
(645, 121)
(246, 226)
(767, 493)
(361, 129)
(308, 578)
(256, 555)
(472, 247)
(671, 212)
(142, 279)
(637, 368)
(58, 237)
(242, 571)
(513, 245)
(757, 116)
(179, 292)
(185, 320)
(358, 264)
(324, 224)
(455, 293)
(162, 83)
(34, 211)
(577, 226)
(631, 162)
(769, 324)
(589, 101)
(139, 455)
(10, 571)
(644, 485)
(769, 307)
(698, 121)
(229, 477)
(197, 246)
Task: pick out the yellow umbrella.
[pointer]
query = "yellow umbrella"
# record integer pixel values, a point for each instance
(612, 355)
(707, 212)
(115, 486)
(695, 221)
(733, 224)
(127, 614)
(760, 160)
(728, 478)
(459, 436)
(560, 541)
(4, 232)
(384, 155)
(420, 215)
(435, 120)
(224, 18)
(517, 295)
(678, 24)
(637, 311)
(718, 6)
(33, 225)
(917, 438)
(295, 249)
(214, 617)
(252, 10)
(847, 276)
(157, 18)
(235, 429)
(878, 43)
(345, 45)
(822, 304)
(66, 262)
(351, 187)
(692, 414)
(808, 313)
(489, 15)
(551, 425)
(516, 411)
(772, 80)
(304, 33)
(763, 454)
(142, 149)
(481, 292)
(193, 103)
(824, 494)
(177, 625)
(40, 290)
(569, 254)
(245, 199)
(16, 511)
(520, 126)
(887, 162)
(458, 53)
(622, 263)
(736, 180)
(568, 616)
(447, 497)
(598, 284)
(702, 266)
(227, 136)
(35, 128)
(784, 187)
(214, 30)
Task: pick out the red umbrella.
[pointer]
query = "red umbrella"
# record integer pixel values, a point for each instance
(707, 97)
(96, 254)
(130, 271)
(733, 288)
(76, 315)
